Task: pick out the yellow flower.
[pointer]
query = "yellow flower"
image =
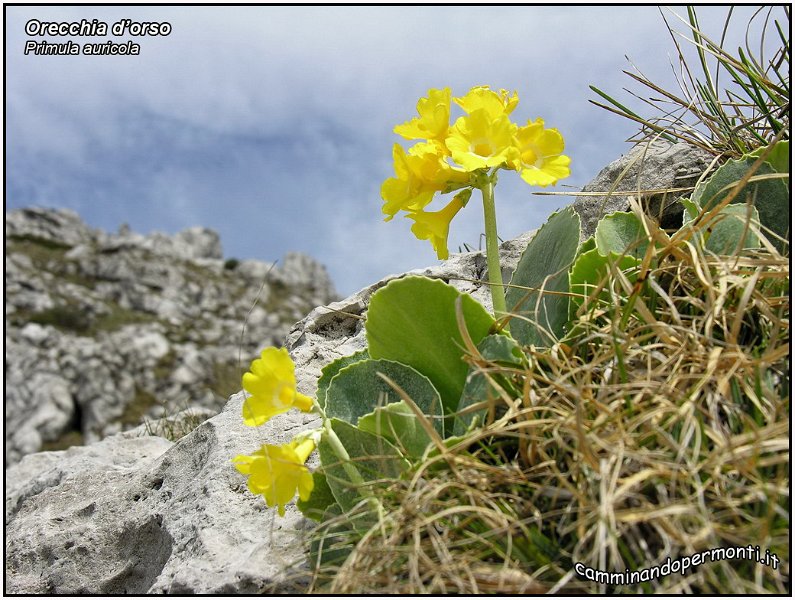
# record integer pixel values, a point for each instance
(481, 97)
(540, 159)
(478, 141)
(277, 472)
(434, 117)
(271, 383)
(435, 226)
(420, 174)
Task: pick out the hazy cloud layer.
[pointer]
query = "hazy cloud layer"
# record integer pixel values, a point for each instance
(273, 124)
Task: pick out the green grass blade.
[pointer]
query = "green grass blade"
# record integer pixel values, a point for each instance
(785, 42)
(691, 13)
(614, 102)
(636, 118)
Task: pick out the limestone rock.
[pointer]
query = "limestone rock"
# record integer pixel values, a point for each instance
(655, 166)
(137, 515)
(180, 519)
(106, 330)
(61, 227)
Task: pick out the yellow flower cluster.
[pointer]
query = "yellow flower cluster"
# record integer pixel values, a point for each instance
(452, 157)
(276, 472)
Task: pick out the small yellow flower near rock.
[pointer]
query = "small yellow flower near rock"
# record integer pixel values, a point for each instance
(277, 472)
(541, 161)
(271, 383)
(435, 226)
(434, 118)
(479, 141)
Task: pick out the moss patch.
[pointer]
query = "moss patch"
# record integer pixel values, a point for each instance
(64, 317)
(64, 441)
(134, 412)
(118, 317)
(224, 379)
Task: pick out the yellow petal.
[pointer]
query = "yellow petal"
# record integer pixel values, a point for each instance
(478, 141)
(553, 169)
(483, 98)
(303, 403)
(243, 463)
(271, 383)
(435, 226)
(278, 472)
(540, 160)
(433, 120)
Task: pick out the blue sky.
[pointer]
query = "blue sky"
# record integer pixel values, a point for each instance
(273, 125)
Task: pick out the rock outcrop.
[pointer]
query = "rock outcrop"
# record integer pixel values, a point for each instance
(104, 330)
(136, 514)
(142, 514)
(646, 167)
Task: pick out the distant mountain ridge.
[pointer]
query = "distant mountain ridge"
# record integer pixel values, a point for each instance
(106, 330)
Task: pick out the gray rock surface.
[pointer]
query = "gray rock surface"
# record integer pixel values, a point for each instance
(106, 330)
(136, 515)
(655, 166)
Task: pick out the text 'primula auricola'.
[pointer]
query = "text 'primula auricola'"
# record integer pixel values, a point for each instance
(464, 156)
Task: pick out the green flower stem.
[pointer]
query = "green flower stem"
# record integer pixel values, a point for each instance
(343, 455)
(351, 470)
(492, 248)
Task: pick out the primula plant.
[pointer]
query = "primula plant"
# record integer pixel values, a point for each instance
(444, 389)
(467, 155)
(398, 398)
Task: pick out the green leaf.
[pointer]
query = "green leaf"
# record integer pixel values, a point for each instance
(690, 212)
(495, 348)
(320, 499)
(778, 158)
(357, 390)
(501, 348)
(621, 233)
(333, 541)
(770, 196)
(399, 424)
(541, 316)
(689, 215)
(372, 456)
(413, 321)
(731, 231)
(591, 269)
(330, 370)
(588, 244)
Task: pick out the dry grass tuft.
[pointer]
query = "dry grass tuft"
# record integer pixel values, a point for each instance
(660, 428)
